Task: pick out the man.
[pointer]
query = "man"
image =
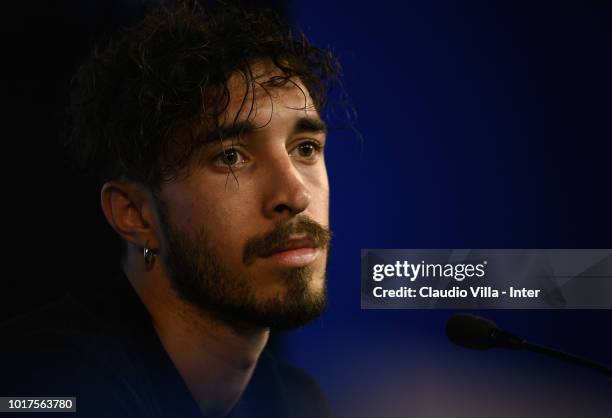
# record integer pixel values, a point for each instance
(205, 132)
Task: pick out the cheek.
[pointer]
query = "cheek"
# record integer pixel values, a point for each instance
(227, 216)
(319, 189)
(209, 202)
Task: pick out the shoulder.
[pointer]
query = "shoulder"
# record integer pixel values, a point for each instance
(53, 325)
(61, 350)
(44, 340)
(57, 325)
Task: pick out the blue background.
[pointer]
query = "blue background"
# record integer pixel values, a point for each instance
(485, 125)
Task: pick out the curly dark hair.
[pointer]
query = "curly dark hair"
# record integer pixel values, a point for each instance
(129, 98)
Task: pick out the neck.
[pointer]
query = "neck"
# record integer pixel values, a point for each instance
(215, 360)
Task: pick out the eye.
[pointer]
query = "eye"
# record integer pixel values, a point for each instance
(308, 150)
(229, 157)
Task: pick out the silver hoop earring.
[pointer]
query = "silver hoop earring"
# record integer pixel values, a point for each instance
(149, 256)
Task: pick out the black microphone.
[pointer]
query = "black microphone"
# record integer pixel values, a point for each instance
(472, 331)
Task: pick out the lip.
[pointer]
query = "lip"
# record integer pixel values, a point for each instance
(294, 253)
(292, 244)
(298, 257)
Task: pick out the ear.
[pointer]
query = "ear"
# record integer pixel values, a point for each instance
(129, 209)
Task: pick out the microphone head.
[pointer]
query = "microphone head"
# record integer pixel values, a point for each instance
(472, 331)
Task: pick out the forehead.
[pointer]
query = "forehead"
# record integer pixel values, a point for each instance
(264, 91)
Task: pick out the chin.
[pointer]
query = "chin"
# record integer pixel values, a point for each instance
(316, 285)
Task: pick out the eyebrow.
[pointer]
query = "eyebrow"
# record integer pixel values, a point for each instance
(309, 125)
(302, 125)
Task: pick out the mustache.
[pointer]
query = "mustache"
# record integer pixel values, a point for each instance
(282, 232)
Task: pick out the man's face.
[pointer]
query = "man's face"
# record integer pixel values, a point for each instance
(245, 230)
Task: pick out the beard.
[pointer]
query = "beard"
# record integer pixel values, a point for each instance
(200, 277)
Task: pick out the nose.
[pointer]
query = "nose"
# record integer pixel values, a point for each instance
(286, 195)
